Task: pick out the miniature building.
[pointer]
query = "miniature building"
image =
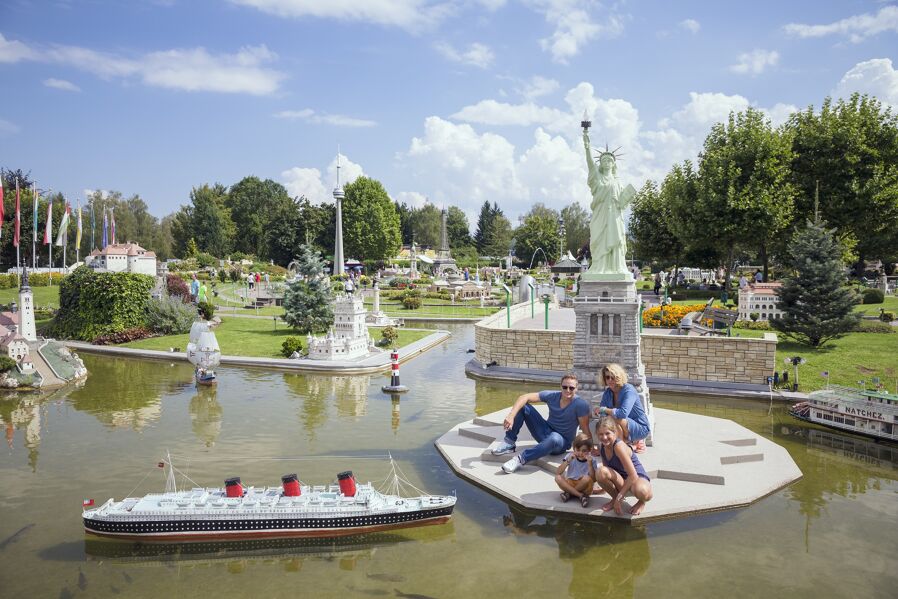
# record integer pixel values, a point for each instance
(14, 345)
(472, 290)
(123, 257)
(348, 338)
(27, 325)
(760, 298)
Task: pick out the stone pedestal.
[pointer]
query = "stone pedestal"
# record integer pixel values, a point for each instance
(607, 311)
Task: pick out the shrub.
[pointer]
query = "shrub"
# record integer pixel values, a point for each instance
(411, 299)
(203, 260)
(126, 336)
(176, 287)
(389, 335)
(41, 279)
(290, 345)
(235, 275)
(206, 310)
(6, 363)
(170, 316)
(872, 295)
(886, 316)
(94, 304)
(875, 326)
(752, 325)
(754, 316)
(223, 275)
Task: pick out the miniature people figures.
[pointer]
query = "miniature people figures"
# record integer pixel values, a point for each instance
(194, 287)
(202, 294)
(348, 286)
(657, 283)
(758, 276)
(577, 471)
(743, 281)
(621, 470)
(621, 401)
(566, 411)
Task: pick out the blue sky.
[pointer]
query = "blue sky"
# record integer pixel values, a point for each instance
(447, 101)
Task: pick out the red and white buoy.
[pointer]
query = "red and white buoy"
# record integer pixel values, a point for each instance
(395, 386)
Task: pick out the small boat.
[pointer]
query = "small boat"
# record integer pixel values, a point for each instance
(203, 352)
(293, 510)
(862, 411)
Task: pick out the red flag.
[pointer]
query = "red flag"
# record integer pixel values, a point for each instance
(15, 236)
(161, 464)
(87, 502)
(48, 230)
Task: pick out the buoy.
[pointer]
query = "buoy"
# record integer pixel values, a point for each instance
(395, 386)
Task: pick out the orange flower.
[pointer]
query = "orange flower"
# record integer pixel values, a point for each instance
(670, 316)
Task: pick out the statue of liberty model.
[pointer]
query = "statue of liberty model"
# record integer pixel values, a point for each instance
(607, 239)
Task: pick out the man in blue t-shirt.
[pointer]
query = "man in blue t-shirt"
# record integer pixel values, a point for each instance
(567, 411)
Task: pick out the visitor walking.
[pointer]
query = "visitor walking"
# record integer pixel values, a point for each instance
(657, 283)
(194, 288)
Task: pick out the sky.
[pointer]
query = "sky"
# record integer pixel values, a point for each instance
(449, 101)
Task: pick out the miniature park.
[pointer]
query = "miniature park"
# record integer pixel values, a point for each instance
(366, 394)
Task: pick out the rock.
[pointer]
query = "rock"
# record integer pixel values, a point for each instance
(295, 355)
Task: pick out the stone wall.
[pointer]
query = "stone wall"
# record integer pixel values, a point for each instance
(733, 359)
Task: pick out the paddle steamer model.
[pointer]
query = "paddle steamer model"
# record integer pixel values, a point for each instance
(292, 510)
(872, 413)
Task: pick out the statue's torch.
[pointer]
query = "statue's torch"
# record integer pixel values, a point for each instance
(585, 123)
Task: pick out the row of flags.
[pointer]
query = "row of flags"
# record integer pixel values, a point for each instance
(62, 235)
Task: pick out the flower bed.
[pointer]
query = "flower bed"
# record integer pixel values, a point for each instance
(672, 315)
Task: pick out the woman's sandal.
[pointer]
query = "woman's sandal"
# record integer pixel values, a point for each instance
(584, 500)
(565, 496)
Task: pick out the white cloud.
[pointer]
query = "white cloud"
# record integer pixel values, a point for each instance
(7, 128)
(755, 62)
(876, 77)
(575, 26)
(412, 198)
(780, 113)
(690, 25)
(62, 84)
(477, 55)
(491, 112)
(857, 28)
(537, 86)
(310, 116)
(193, 69)
(308, 182)
(14, 51)
(412, 15)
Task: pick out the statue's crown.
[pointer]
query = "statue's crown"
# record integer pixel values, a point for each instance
(606, 152)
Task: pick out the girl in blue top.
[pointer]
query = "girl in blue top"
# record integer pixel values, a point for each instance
(621, 471)
(621, 401)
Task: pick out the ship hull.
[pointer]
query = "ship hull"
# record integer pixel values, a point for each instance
(230, 529)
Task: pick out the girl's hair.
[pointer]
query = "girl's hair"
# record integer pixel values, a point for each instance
(582, 440)
(617, 371)
(608, 422)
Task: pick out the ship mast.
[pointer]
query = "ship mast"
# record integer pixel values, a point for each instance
(170, 485)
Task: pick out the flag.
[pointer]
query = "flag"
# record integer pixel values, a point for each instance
(48, 230)
(93, 223)
(87, 502)
(37, 197)
(112, 215)
(15, 234)
(161, 464)
(78, 230)
(1, 207)
(64, 226)
(105, 227)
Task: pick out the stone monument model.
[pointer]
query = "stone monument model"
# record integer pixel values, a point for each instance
(27, 326)
(348, 338)
(377, 316)
(338, 236)
(607, 307)
(444, 265)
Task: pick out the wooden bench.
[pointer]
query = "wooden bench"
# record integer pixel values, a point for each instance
(695, 321)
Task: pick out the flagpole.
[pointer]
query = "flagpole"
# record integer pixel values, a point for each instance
(18, 218)
(34, 199)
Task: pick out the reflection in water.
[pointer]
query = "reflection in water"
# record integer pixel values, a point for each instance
(606, 557)
(130, 393)
(348, 393)
(205, 415)
(23, 412)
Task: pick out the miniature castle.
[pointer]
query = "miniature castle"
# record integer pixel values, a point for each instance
(348, 338)
(123, 257)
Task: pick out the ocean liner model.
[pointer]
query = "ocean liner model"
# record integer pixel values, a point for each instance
(292, 510)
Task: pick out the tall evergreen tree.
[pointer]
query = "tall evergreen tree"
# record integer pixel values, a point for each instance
(307, 301)
(817, 305)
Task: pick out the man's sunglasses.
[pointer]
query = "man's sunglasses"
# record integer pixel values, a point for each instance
(569, 387)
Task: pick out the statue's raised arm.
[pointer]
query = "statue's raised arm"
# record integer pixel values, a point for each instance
(607, 241)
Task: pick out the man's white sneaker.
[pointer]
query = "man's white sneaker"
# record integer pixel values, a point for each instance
(503, 448)
(512, 465)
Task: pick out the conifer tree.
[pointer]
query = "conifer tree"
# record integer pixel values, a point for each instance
(307, 301)
(817, 305)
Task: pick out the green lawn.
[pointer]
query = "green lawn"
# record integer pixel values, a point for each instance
(43, 296)
(855, 357)
(890, 304)
(256, 337)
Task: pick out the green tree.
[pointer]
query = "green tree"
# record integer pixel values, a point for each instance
(254, 204)
(405, 223)
(285, 232)
(425, 225)
(745, 195)
(457, 228)
(816, 303)
(370, 221)
(850, 149)
(576, 227)
(539, 230)
(650, 226)
(494, 232)
(307, 301)
(206, 220)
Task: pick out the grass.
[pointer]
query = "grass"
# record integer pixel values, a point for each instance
(43, 296)
(855, 357)
(256, 337)
(890, 304)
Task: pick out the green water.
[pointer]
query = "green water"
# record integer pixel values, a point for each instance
(833, 533)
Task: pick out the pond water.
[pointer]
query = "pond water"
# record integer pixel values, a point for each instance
(832, 533)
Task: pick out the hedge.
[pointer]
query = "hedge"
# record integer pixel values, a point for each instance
(94, 304)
